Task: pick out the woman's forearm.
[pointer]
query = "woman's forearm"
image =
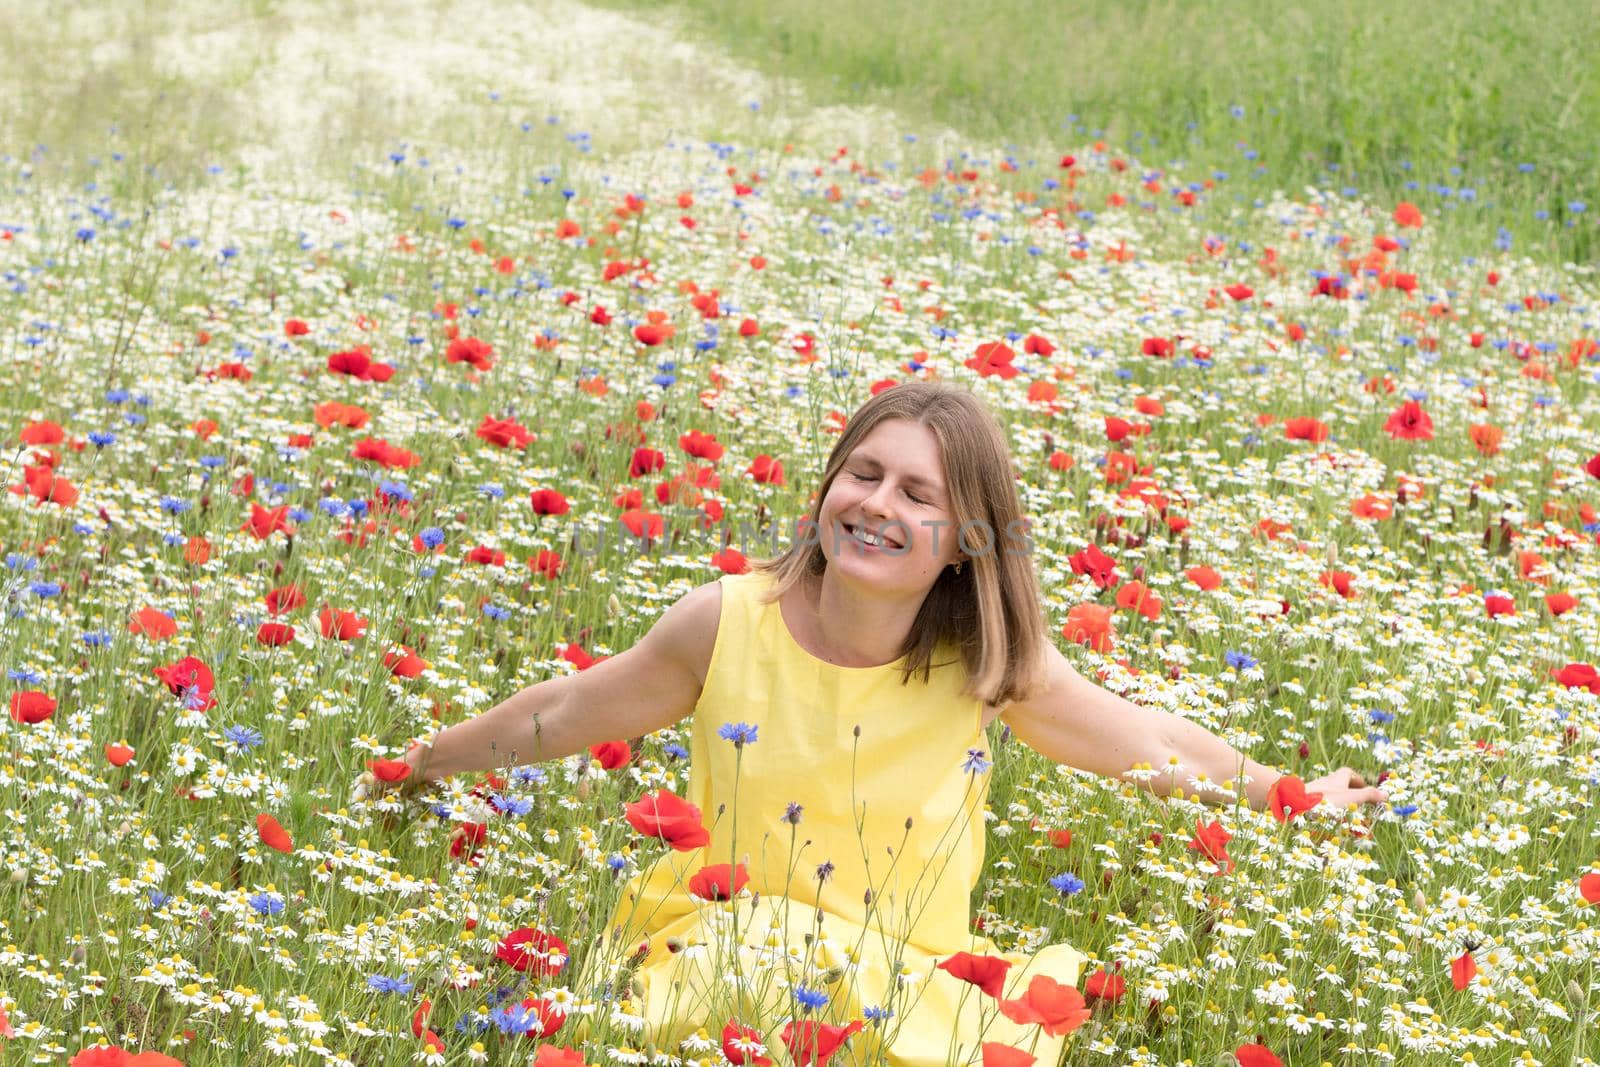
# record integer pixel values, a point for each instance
(530, 726)
(1204, 756)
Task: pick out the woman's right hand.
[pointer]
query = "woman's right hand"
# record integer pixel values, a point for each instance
(369, 787)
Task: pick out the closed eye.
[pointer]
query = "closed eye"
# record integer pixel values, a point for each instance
(870, 478)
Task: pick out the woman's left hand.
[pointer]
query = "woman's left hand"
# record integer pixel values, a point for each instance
(1345, 787)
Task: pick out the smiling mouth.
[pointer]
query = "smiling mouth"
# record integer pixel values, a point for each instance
(884, 541)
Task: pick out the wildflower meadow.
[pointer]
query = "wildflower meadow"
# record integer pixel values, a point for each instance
(436, 350)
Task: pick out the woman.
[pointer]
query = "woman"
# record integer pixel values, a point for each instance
(841, 693)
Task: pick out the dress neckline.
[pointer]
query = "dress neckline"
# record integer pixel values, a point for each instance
(783, 624)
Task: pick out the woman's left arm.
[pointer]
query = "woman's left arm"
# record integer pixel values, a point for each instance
(1073, 721)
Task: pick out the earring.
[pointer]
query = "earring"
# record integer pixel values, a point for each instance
(958, 566)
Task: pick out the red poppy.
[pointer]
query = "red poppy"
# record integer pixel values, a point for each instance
(1136, 596)
(1288, 798)
(548, 502)
(504, 433)
(264, 522)
(284, 598)
(192, 679)
(1589, 887)
(1462, 970)
(404, 663)
(1204, 577)
(547, 563)
(1160, 347)
(389, 770)
(646, 461)
(743, 1044)
(295, 328)
(766, 470)
(712, 882)
(812, 1043)
(988, 973)
(1409, 422)
(1339, 582)
(118, 755)
(31, 706)
(1103, 985)
(1058, 1009)
(730, 561)
(550, 1055)
(1560, 603)
(1034, 345)
(643, 525)
(749, 328)
(1496, 604)
(651, 334)
(997, 1055)
(43, 432)
(993, 358)
(1096, 564)
(550, 1018)
(1593, 466)
(112, 1056)
(1211, 841)
(486, 556)
(274, 634)
(341, 625)
(1256, 1056)
(470, 350)
(533, 951)
(1486, 438)
(1090, 624)
(156, 625)
(1305, 428)
(1407, 216)
(611, 754)
(669, 817)
(272, 833)
(45, 486)
(1240, 292)
(392, 457)
(1372, 506)
(1578, 676)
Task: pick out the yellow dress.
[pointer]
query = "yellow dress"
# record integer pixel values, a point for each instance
(857, 794)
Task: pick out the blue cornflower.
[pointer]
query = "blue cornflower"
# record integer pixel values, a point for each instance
(491, 490)
(791, 812)
(494, 611)
(25, 676)
(515, 1019)
(876, 1014)
(397, 490)
(86, 233)
(616, 861)
(1377, 716)
(158, 899)
(384, 984)
(510, 805)
(431, 537)
(16, 561)
(1240, 660)
(1405, 809)
(117, 396)
(97, 638)
(45, 589)
(530, 776)
(740, 733)
(1067, 884)
(675, 751)
(101, 438)
(810, 999)
(266, 904)
(212, 462)
(174, 506)
(243, 738)
(975, 762)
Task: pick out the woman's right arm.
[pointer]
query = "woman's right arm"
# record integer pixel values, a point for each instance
(648, 687)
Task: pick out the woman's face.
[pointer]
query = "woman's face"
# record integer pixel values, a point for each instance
(893, 483)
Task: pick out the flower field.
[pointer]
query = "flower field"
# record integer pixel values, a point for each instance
(300, 471)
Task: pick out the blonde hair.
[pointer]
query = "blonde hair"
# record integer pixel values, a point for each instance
(990, 612)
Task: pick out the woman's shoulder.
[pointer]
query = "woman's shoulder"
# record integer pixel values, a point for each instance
(695, 619)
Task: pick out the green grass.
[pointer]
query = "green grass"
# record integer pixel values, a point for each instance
(1365, 87)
